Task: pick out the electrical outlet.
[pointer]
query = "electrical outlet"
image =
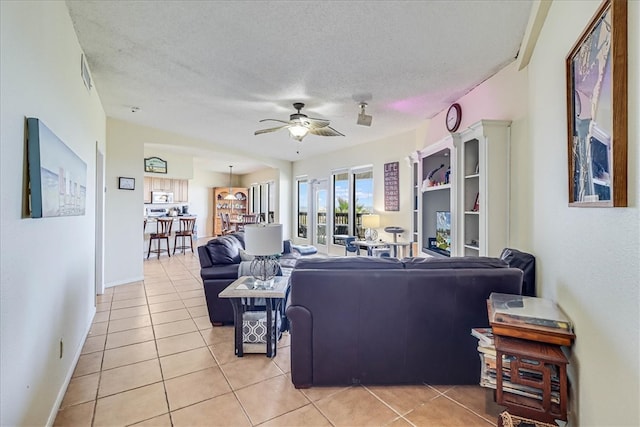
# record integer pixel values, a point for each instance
(61, 348)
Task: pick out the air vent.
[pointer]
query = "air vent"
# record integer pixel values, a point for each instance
(84, 72)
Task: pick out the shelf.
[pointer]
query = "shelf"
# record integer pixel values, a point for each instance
(437, 187)
(475, 175)
(475, 248)
(472, 212)
(436, 254)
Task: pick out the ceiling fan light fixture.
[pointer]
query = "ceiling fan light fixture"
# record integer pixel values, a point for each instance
(298, 132)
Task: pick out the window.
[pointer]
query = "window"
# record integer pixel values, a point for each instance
(255, 198)
(303, 207)
(341, 203)
(271, 202)
(363, 194)
(352, 198)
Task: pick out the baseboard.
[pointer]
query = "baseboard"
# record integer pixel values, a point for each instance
(67, 379)
(124, 282)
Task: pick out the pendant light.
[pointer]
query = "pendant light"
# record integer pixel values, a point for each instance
(230, 196)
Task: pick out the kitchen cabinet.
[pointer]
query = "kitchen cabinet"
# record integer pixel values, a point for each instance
(179, 188)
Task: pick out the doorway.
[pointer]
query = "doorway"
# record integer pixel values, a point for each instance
(99, 261)
(319, 216)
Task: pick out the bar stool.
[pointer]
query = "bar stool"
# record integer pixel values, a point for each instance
(163, 231)
(187, 226)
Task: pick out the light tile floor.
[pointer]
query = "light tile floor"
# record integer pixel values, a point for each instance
(152, 358)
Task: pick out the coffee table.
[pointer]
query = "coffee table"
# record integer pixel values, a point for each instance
(243, 293)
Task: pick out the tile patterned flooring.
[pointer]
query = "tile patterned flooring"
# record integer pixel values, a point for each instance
(152, 358)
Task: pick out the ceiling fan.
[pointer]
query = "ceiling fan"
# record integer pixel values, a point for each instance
(299, 125)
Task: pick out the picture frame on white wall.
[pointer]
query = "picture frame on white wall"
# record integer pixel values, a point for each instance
(125, 183)
(596, 72)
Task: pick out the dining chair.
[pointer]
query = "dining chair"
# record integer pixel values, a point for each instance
(349, 246)
(247, 219)
(225, 222)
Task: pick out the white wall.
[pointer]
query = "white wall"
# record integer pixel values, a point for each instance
(589, 259)
(47, 265)
(179, 166)
(124, 209)
(201, 198)
(376, 153)
(124, 241)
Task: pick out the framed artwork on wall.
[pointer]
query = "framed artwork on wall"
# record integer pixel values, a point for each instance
(125, 183)
(155, 165)
(57, 175)
(596, 72)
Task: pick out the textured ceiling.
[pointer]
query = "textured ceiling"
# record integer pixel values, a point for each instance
(212, 70)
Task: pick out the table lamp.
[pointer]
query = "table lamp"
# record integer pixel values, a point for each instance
(264, 242)
(371, 222)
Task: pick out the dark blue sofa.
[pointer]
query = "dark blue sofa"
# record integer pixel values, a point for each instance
(385, 321)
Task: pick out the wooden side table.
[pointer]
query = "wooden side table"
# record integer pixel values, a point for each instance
(541, 370)
(534, 385)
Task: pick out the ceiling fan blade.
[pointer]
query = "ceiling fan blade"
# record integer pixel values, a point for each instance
(325, 131)
(261, 131)
(274, 120)
(315, 123)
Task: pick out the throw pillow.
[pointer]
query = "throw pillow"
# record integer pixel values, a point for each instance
(244, 256)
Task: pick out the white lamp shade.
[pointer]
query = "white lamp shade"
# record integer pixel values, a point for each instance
(263, 239)
(371, 221)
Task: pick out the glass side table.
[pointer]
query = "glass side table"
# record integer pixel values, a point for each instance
(243, 294)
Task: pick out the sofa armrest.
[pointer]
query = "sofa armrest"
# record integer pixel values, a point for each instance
(203, 256)
(300, 325)
(304, 249)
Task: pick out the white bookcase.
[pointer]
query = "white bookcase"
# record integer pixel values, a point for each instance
(435, 187)
(476, 194)
(483, 196)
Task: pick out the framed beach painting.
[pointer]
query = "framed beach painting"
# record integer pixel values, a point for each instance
(57, 176)
(596, 72)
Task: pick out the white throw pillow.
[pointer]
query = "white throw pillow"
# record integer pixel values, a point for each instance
(244, 256)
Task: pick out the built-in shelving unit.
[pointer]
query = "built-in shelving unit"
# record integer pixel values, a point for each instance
(415, 196)
(475, 191)
(436, 167)
(483, 162)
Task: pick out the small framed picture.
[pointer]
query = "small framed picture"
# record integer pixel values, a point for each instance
(126, 183)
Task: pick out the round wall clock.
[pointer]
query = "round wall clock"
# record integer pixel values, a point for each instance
(454, 117)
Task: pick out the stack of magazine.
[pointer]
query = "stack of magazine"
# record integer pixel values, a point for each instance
(487, 352)
(528, 312)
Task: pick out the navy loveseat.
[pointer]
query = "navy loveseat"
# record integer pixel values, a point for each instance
(220, 260)
(386, 321)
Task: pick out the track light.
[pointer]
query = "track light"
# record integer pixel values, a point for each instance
(363, 119)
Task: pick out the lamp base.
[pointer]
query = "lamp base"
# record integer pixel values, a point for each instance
(370, 234)
(263, 284)
(263, 269)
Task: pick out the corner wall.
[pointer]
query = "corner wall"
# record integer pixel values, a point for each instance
(588, 258)
(47, 276)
